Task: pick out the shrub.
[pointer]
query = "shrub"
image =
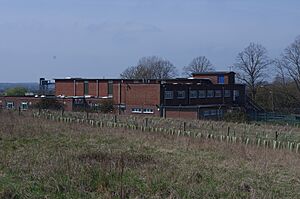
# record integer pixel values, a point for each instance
(107, 106)
(236, 116)
(17, 91)
(48, 103)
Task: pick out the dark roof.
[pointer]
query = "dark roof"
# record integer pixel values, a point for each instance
(183, 80)
(214, 73)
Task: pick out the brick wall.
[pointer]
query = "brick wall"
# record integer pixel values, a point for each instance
(93, 88)
(79, 88)
(103, 90)
(141, 94)
(228, 78)
(17, 100)
(98, 88)
(64, 88)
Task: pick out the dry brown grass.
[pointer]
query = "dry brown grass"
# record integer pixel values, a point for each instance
(252, 130)
(46, 159)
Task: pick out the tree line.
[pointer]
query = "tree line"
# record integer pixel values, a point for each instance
(154, 67)
(274, 83)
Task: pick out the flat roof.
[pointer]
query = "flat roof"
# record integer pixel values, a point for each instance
(196, 80)
(214, 73)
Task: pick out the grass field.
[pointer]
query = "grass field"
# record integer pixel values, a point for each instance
(252, 130)
(46, 159)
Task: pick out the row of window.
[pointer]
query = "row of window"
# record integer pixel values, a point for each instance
(213, 112)
(145, 110)
(11, 105)
(109, 88)
(200, 94)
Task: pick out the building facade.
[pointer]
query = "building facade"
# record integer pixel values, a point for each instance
(204, 95)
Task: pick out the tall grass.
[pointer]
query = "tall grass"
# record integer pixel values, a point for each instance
(46, 159)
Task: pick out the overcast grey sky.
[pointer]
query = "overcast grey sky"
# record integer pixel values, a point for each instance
(100, 38)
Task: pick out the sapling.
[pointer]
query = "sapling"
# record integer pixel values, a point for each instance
(274, 144)
(247, 141)
(297, 148)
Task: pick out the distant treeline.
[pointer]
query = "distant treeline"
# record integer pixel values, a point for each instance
(31, 87)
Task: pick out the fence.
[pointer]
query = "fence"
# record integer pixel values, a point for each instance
(150, 125)
(276, 118)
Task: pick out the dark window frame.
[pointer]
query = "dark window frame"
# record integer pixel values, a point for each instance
(209, 92)
(10, 105)
(227, 93)
(202, 92)
(181, 94)
(85, 87)
(219, 93)
(110, 88)
(193, 94)
(169, 94)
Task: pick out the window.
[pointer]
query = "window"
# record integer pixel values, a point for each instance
(78, 101)
(168, 94)
(9, 105)
(227, 93)
(24, 105)
(110, 88)
(206, 113)
(202, 94)
(136, 110)
(210, 93)
(86, 87)
(213, 112)
(180, 94)
(221, 79)
(193, 94)
(148, 110)
(236, 94)
(218, 93)
(220, 112)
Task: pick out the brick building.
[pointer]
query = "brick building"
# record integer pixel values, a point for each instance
(204, 95)
(220, 77)
(15, 102)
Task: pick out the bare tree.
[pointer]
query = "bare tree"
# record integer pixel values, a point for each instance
(251, 65)
(152, 67)
(290, 61)
(281, 73)
(198, 64)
